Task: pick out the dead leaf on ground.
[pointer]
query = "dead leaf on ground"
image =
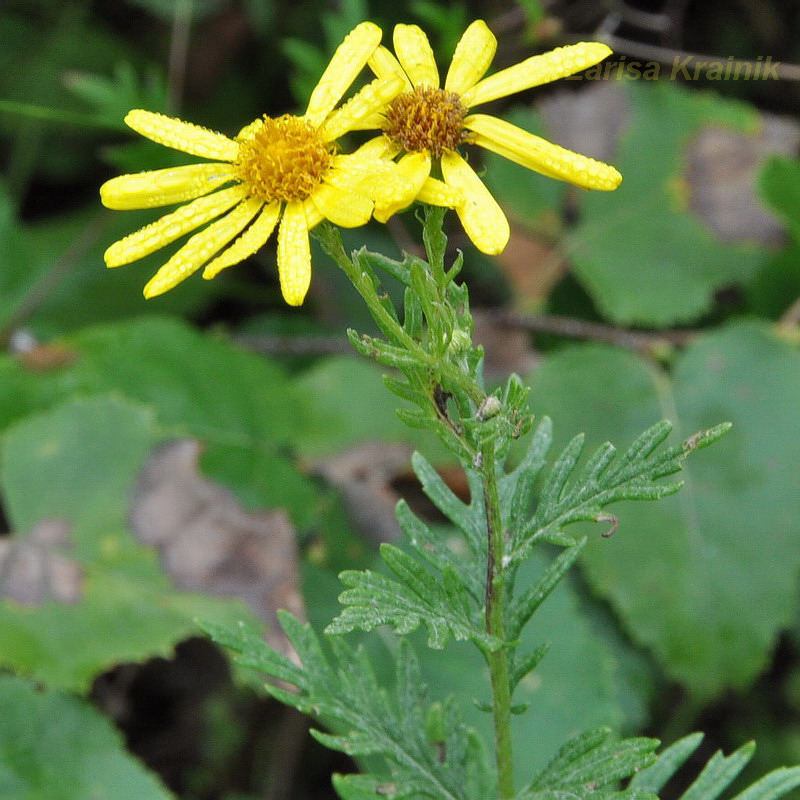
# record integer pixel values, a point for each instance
(37, 568)
(364, 475)
(506, 349)
(722, 166)
(208, 543)
(721, 163)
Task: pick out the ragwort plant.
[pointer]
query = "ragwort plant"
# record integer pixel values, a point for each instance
(292, 173)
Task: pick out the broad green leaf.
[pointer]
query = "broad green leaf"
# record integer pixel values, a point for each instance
(241, 406)
(78, 462)
(777, 286)
(682, 573)
(76, 288)
(58, 747)
(53, 279)
(343, 402)
(640, 251)
(779, 183)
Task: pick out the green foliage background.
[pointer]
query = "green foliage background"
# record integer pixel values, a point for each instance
(686, 618)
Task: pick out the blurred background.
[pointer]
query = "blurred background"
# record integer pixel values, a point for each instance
(215, 454)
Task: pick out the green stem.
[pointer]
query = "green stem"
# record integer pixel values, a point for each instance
(449, 373)
(495, 623)
(332, 244)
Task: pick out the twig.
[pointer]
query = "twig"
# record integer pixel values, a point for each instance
(178, 51)
(49, 280)
(688, 60)
(640, 341)
(295, 345)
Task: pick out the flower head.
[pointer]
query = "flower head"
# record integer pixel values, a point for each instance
(283, 172)
(426, 123)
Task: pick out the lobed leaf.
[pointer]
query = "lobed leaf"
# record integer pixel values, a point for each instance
(469, 519)
(417, 596)
(525, 604)
(731, 532)
(605, 480)
(592, 761)
(716, 776)
(654, 777)
(367, 719)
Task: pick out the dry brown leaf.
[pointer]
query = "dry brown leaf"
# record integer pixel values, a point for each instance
(722, 165)
(532, 267)
(208, 543)
(364, 475)
(506, 349)
(36, 568)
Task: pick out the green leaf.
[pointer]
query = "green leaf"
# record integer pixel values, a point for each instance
(342, 402)
(641, 252)
(731, 533)
(575, 685)
(112, 97)
(525, 604)
(414, 597)
(774, 784)
(592, 761)
(669, 761)
(58, 747)
(779, 183)
(369, 719)
(241, 406)
(635, 476)
(78, 462)
(716, 775)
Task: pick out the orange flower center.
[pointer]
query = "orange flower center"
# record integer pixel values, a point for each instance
(282, 159)
(426, 119)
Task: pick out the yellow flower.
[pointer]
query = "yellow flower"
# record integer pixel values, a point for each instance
(427, 123)
(281, 171)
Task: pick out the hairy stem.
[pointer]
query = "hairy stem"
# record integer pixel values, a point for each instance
(495, 623)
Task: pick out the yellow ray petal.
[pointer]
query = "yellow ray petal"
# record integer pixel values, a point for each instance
(253, 239)
(347, 209)
(348, 60)
(536, 71)
(378, 147)
(437, 193)
(163, 187)
(183, 136)
(201, 247)
(250, 130)
(313, 216)
(400, 185)
(369, 100)
(473, 56)
(540, 155)
(383, 63)
(171, 226)
(414, 52)
(365, 169)
(294, 254)
(482, 218)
